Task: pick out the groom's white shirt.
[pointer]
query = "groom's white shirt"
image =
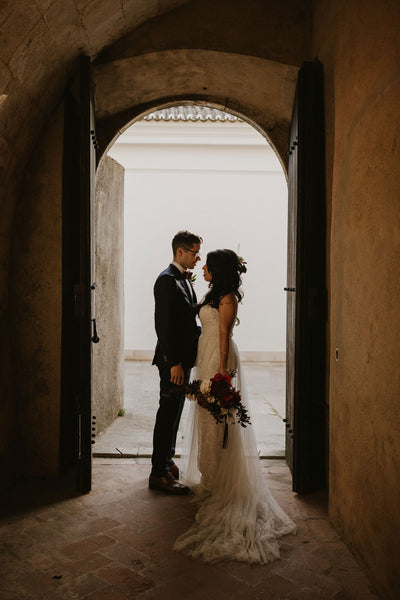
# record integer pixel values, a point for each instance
(178, 266)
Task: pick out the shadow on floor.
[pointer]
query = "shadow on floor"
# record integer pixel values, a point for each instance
(116, 543)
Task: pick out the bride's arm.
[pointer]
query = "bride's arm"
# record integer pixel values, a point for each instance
(227, 315)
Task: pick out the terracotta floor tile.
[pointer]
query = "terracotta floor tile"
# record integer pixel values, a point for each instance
(10, 590)
(87, 546)
(79, 586)
(306, 578)
(114, 510)
(125, 579)
(88, 564)
(356, 585)
(177, 565)
(152, 544)
(253, 575)
(116, 544)
(97, 526)
(108, 593)
(36, 582)
(128, 556)
(184, 588)
(125, 534)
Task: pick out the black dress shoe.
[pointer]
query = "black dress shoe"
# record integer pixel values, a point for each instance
(167, 484)
(173, 469)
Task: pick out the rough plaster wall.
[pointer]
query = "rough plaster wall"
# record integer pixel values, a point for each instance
(39, 44)
(38, 48)
(227, 53)
(359, 45)
(108, 374)
(36, 301)
(254, 32)
(10, 459)
(260, 89)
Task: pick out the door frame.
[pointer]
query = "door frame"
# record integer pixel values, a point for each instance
(307, 409)
(79, 171)
(308, 302)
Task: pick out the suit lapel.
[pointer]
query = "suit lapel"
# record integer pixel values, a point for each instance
(182, 283)
(185, 286)
(193, 294)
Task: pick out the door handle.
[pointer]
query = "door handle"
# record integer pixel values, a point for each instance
(289, 289)
(95, 338)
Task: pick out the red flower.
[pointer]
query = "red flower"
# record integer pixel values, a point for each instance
(220, 385)
(236, 398)
(227, 401)
(219, 376)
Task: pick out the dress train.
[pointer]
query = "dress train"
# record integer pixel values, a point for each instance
(237, 517)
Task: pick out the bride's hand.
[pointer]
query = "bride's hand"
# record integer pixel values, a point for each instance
(223, 372)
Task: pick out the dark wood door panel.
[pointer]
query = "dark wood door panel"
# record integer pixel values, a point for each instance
(306, 287)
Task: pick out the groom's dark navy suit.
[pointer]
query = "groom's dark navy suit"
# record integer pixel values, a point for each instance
(177, 337)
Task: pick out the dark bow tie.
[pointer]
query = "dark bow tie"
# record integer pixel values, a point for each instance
(187, 275)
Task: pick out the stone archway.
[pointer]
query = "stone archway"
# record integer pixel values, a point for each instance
(108, 294)
(261, 91)
(258, 90)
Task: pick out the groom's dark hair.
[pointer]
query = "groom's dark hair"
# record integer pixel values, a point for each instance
(185, 239)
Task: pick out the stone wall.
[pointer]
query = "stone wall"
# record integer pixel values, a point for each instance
(359, 46)
(35, 295)
(108, 375)
(39, 48)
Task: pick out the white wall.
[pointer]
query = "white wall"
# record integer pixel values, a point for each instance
(224, 182)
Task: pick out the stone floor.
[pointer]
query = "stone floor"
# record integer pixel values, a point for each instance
(116, 544)
(131, 435)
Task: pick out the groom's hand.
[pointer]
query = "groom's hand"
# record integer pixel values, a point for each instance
(177, 374)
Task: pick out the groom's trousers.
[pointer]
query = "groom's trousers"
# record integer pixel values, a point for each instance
(167, 422)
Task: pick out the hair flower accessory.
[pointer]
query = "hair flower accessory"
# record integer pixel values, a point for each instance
(242, 265)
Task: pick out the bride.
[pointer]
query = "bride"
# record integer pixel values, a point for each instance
(237, 517)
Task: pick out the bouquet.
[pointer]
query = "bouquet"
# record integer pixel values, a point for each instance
(219, 397)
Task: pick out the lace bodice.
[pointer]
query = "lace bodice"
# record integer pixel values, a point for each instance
(208, 356)
(209, 318)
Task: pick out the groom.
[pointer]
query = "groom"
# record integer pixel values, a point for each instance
(175, 354)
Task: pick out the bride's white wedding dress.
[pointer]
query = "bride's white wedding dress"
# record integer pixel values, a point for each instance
(237, 518)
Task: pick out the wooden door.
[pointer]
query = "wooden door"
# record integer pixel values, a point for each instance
(79, 165)
(306, 407)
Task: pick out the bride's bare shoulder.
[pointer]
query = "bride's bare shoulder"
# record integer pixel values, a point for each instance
(228, 299)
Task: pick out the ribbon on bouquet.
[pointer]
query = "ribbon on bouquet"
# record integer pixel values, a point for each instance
(225, 438)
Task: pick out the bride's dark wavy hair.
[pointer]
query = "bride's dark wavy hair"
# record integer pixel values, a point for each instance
(225, 267)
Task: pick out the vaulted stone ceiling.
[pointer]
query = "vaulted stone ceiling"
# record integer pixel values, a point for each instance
(39, 40)
(260, 40)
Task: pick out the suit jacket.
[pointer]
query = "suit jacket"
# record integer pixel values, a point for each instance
(175, 320)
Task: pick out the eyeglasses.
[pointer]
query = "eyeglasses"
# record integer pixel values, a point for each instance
(196, 254)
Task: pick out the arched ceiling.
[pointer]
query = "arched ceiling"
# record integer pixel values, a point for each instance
(259, 89)
(40, 40)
